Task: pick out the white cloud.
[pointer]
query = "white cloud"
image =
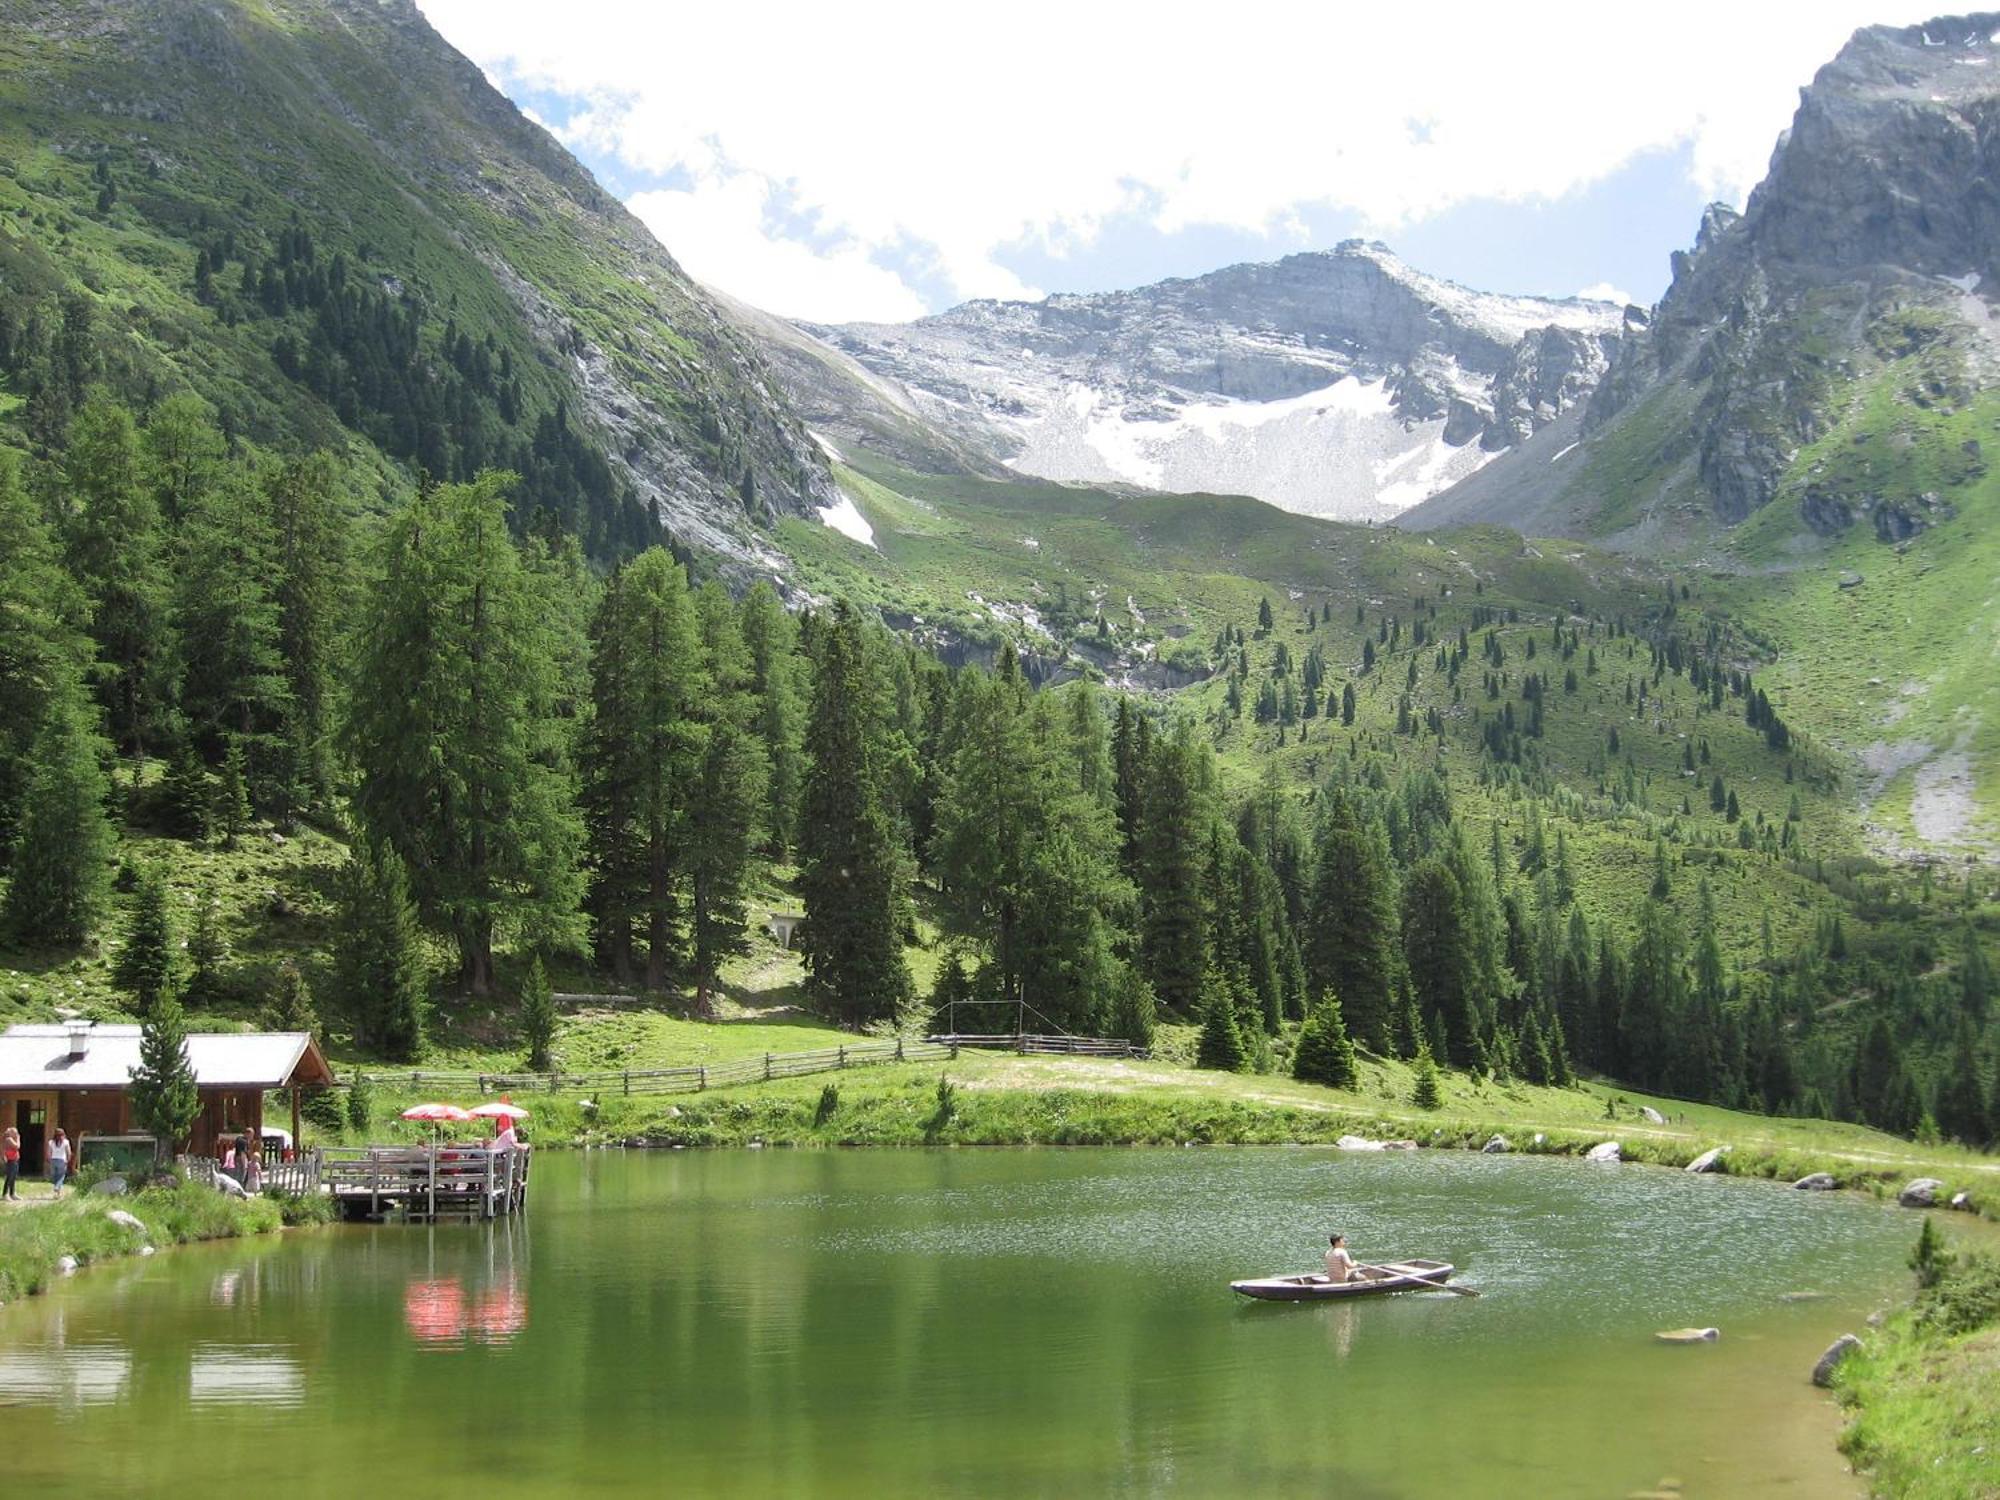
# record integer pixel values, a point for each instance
(719, 232)
(909, 128)
(1604, 291)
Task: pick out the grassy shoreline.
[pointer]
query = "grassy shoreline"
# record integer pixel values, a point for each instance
(35, 1238)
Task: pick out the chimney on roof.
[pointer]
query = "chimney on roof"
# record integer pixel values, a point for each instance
(79, 1038)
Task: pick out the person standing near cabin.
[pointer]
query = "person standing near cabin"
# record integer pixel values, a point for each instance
(253, 1166)
(10, 1148)
(58, 1152)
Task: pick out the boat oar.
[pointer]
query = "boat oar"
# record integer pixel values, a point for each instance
(1456, 1291)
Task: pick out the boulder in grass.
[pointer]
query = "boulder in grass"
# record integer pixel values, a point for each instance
(120, 1217)
(1709, 1160)
(113, 1186)
(1837, 1351)
(1962, 1202)
(1920, 1194)
(66, 1266)
(1358, 1143)
(1498, 1146)
(1816, 1182)
(1651, 1115)
(1605, 1151)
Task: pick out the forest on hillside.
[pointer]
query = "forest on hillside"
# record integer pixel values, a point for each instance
(528, 756)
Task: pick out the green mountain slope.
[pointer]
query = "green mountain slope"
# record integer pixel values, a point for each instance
(323, 220)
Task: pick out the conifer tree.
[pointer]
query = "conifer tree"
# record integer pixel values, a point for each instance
(147, 968)
(454, 730)
(64, 840)
(722, 825)
(1351, 927)
(206, 951)
(769, 634)
(1437, 944)
(641, 760)
(850, 866)
(1427, 1092)
(1961, 1100)
(378, 964)
(232, 685)
(292, 1006)
(42, 646)
(538, 1018)
(1221, 1042)
(114, 546)
(1975, 977)
(309, 584)
(1324, 1053)
(1172, 870)
(165, 1099)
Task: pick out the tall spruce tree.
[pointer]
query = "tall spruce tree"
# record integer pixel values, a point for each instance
(538, 1017)
(1173, 850)
(850, 866)
(309, 585)
(379, 977)
(454, 730)
(115, 551)
(1444, 972)
(722, 827)
(148, 965)
(1324, 1053)
(42, 645)
(1350, 946)
(233, 683)
(641, 760)
(772, 640)
(1961, 1098)
(165, 1098)
(64, 840)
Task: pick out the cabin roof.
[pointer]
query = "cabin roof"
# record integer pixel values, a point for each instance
(38, 1056)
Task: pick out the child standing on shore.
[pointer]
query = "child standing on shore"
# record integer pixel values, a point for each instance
(10, 1149)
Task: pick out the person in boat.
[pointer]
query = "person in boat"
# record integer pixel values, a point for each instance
(1341, 1266)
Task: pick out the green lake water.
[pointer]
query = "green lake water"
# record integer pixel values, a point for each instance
(989, 1323)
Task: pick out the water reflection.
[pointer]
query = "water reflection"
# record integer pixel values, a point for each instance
(64, 1374)
(488, 1305)
(245, 1374)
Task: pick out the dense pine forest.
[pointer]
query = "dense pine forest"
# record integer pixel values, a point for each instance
(533, 758)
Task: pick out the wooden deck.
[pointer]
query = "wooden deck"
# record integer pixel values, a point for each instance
(421, 1182)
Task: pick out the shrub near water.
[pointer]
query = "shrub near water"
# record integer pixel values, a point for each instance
(33, 1239)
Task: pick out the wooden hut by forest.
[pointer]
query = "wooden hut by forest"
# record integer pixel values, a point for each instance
(78, 1075)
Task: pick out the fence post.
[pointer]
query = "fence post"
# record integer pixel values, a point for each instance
(842, 1049)
(954, 1051)
(701, 1077)
(899, 1049)
(628, 1080)
(767, 1067)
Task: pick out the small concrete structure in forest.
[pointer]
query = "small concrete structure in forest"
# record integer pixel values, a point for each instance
(783, 924)
(78, 1075)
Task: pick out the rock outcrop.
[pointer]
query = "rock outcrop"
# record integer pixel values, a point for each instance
(1605, 1151)
(1837, 1351)
(1709, 1160)
(1817, 1182)
(1921, 1193)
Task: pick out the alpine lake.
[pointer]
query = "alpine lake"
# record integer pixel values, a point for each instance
(974, 1322)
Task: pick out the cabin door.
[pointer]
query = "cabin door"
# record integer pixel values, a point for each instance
(31, 1118)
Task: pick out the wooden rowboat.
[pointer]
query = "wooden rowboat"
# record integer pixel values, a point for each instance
(1408, 1276)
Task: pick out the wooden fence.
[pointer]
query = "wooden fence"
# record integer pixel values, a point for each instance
(703, 1076)
(756, 1069)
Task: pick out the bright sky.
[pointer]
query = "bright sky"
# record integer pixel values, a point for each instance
(887, 158)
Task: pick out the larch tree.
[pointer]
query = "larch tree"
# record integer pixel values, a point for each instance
(42, 645)
(378, 957)
(1350, 945)
(454, 732)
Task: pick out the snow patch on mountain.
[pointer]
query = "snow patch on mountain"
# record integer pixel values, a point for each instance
(1342, 383)
(845, 517)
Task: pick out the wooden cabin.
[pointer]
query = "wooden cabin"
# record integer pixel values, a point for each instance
(77, 1075)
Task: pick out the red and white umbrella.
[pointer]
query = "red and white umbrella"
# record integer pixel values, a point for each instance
(435, 1112)
(500, 1110)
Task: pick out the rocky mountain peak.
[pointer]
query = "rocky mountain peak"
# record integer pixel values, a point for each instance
(1338, 382)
